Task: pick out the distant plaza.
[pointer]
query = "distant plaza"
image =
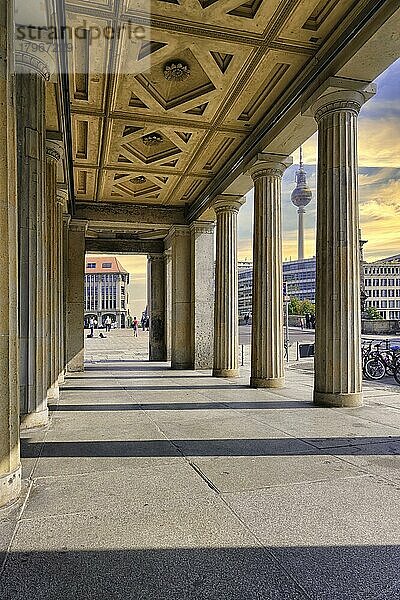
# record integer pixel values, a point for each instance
(106, 291)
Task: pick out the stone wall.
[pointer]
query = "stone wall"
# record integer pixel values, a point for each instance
(373, 327)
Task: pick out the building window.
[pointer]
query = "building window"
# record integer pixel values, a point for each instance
(106, 266)
(91, 265)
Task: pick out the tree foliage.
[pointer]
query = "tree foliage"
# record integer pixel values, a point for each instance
(300, 307)
(373, 314)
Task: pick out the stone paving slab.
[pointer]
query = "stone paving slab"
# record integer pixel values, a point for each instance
(113, 490)
(152, 484)
(341, 541)
(242, 473)
(179, 548)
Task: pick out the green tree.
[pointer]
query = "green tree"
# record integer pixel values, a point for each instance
(294, 306)
(300, 307)
(306, 306)
(373, 314)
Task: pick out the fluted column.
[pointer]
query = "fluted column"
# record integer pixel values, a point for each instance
(168, 301)
(267, 315)
(338, 370)
(65, 245)
(31, 76)
(52, 157)
(62, 199)
(10, 468)
(226, 312)
(156, 302)
(75, 296)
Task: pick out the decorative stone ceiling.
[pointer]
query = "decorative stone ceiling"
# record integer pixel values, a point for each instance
(156, 114)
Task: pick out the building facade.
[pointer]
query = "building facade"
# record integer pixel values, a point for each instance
(382, 286)
(299, 276)
(106, 292)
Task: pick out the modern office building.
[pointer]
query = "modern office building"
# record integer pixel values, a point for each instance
(299, 276)
(106, 290)
(382, 286)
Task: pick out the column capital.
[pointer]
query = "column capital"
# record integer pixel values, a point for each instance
(36, 56)
(62, 198)
(78, 225)
(175, 231)
(228, 203)
(339, 94)
(54, 150)
(269, 165)
(155, 257)
(202, 226)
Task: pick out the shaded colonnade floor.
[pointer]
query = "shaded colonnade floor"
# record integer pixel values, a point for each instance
(151, 483)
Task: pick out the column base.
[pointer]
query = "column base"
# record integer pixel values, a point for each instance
(225, 373)
(182, 367)
(264, 382)
(160, 357)
(338, 400)
(75, 369)
(10, 487)
(53, 393)
(61, 378)
(34, 420)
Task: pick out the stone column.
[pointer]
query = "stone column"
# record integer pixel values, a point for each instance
(202, 294)
(156, 302)
(10, 468)
(267, 330)
(338, 369)
(53, 156)
(61, 207)
(181, 356)
(65, 237)
(168, 300)
(226, 324)
(32, 73)
(75, 296)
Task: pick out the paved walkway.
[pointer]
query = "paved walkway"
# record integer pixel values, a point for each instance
(151, 484)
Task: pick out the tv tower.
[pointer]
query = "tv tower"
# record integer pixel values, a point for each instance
(301, 196)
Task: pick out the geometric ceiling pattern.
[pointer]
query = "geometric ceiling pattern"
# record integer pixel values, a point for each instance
(162, 98)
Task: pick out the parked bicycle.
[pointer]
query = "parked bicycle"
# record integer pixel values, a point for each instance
(383, 361)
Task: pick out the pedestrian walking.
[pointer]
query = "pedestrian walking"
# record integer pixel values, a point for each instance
(147, 323)
(108, 323)
(135, 326)
(91, 326)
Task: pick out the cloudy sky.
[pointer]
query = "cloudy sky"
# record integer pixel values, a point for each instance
(379, 188)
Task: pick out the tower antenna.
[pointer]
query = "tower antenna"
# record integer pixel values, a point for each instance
(301, 197)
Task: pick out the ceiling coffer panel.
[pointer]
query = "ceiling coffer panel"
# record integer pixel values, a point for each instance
(158, 110)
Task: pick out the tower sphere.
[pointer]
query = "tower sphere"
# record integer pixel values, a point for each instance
(301, 195)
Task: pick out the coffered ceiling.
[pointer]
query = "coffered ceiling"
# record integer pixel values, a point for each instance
(159, 109)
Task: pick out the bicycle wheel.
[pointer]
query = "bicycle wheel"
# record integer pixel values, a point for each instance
(389, 361)
(397, 373)
(374, 368)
